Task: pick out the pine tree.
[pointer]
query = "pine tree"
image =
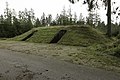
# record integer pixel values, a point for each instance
(49, 20)
(37, 23)
(93, 4)
(43, 19)
(70, 15)
(8, 15)
(57, 20)
(75, 18)
(90, 18)
(97, 18)
(81, 20)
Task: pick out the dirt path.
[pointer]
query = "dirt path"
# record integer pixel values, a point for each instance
(18, 66)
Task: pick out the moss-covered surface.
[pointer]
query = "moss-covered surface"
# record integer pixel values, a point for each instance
(83, 36)
(75, 36)
(44, 35)
(24, 35)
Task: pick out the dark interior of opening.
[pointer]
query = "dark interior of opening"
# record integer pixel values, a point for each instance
(58, 36)
(24, 39)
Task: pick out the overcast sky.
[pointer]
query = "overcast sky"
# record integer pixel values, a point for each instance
(48, 6)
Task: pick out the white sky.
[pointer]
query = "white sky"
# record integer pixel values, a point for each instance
(48, 6)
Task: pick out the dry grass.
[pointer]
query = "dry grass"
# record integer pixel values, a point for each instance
(79, 55)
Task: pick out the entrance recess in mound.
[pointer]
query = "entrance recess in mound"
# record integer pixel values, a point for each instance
(58, 36)
(24, 39)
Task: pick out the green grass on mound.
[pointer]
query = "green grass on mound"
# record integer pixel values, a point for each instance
(21, 37)
(76, 36)
(83, 36)
(44, 35)
(89, 46)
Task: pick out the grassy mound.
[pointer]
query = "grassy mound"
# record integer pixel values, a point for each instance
(82, 36)
(89, 46)
(76, 36)
(44, 35)
(21, 37)
(113, 48)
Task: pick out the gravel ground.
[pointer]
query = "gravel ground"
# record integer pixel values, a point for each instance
(19, 66)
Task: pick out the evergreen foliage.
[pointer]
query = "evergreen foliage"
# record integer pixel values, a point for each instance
(13, 24)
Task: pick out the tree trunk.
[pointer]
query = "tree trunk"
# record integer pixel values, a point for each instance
(109, 32)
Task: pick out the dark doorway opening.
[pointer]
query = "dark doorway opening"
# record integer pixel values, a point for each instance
(58, 36)
(24, 39)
